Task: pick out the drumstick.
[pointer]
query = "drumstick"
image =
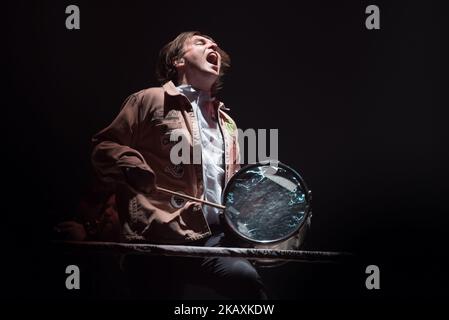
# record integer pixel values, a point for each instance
(181, 195)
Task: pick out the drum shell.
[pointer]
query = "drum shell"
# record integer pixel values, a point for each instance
(295, 242)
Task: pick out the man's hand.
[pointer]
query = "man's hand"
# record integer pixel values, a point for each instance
(140, 180)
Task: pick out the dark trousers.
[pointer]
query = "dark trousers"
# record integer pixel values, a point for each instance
(167, 277)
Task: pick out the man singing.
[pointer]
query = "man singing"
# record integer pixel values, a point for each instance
(134, 152)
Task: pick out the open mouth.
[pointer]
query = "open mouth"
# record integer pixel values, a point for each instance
(212, 58)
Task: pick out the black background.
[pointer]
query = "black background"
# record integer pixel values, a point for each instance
(361, 115)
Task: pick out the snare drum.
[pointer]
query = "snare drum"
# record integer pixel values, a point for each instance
(268, 205)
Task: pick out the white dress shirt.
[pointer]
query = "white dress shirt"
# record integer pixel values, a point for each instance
(212, 148)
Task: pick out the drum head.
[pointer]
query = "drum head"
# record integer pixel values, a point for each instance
(266, 202)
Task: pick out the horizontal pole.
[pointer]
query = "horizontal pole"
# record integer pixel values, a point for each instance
(200, 252)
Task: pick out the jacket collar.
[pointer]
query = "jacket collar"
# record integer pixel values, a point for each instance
(170, 89)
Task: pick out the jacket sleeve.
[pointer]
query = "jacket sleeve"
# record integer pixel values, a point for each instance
(113, 146)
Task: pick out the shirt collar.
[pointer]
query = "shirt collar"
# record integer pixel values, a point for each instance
(171, 89)
(194, 94)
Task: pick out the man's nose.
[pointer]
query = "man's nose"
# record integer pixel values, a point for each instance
(213, 46)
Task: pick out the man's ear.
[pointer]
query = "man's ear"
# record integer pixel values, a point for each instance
(179, 62)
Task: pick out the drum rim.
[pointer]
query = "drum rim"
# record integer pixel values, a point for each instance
(306, 210)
